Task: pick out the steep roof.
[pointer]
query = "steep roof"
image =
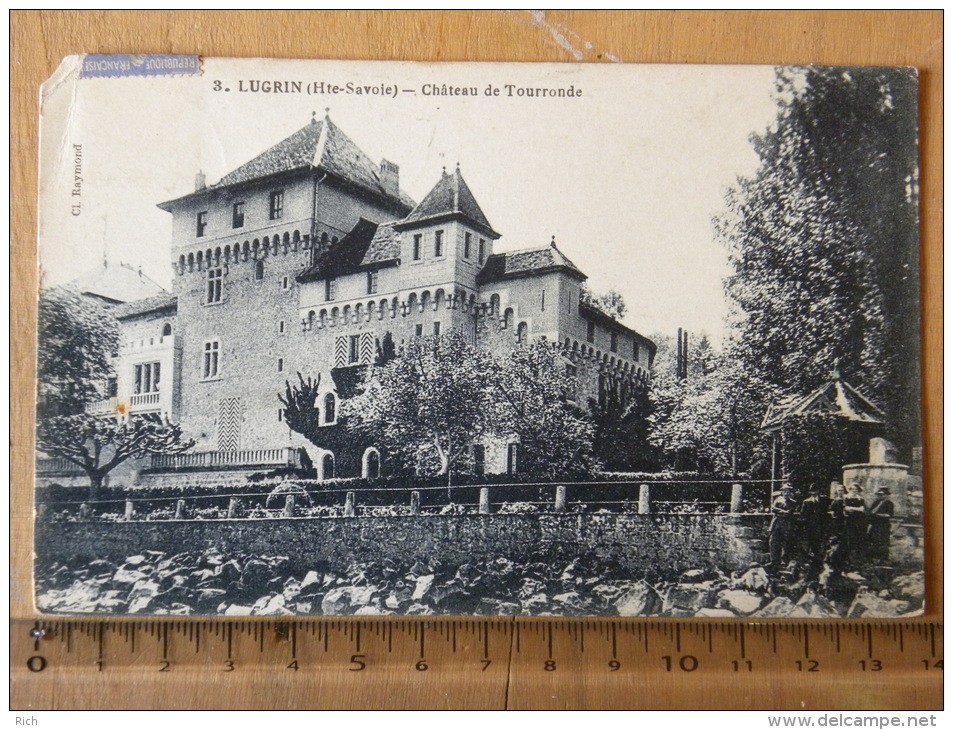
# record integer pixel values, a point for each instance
(145, 306)
(512, 264)
(318, 145)
(836, 397)
(116, 283)
(384, 246)
(450, 198)
(367, 243)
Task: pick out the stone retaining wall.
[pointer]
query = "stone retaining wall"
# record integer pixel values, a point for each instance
(636, 541)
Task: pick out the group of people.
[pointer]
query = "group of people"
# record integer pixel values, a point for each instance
(839, 528)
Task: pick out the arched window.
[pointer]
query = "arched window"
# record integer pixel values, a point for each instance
(371, 464)
(438, 299)
(311, 319)
(274, 244)
(330, 408)
(522, 333)
(327, 466)
(191, 261)
(494, 304)
(424, 301)
(259, 270)
(245, 251)
(324, 240)
(166, 329)
(181, 264)
(507, 319)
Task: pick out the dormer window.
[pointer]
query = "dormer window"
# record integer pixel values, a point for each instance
(201, 223)
(438, 244)
(276, 205)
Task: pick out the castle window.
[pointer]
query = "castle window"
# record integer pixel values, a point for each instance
(259, 270)
(419, 330)
(417, 239)
(147, 378)
(327, 466)
(372, 282)
(371, 466)
(482, 250)
(210, 361)
(614, 342)
(329, 289)
(330, 407)
(281, 415)
(466, 244)
(590, 331)
(522, 333)
(166, 329)
(436, 329)
(284, 283)
(542, 301)
(281, 326)
(353, 349)
(238, 214)
(201, 223)
(281, 365)
(635, 351)
(276, 205)
(438, 244)
(213, 293)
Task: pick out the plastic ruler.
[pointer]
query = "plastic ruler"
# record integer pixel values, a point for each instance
(493, 663)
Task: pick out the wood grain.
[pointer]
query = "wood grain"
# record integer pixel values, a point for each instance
(39, 39)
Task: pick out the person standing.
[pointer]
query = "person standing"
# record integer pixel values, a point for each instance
(878, 531)
(781, 533)
(815, 524)
(855, 524)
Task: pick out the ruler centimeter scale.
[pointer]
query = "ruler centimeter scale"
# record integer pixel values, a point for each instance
(357, 645)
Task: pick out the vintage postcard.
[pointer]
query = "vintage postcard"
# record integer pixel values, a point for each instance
(327, 338)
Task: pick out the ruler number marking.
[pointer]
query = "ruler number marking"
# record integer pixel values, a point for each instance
(686, 663)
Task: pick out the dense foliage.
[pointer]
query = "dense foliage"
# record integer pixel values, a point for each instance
(823, 241)
(76, 339)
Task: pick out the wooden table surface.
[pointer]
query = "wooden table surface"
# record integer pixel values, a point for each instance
(39, 39)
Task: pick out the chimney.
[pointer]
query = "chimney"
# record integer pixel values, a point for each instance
(390, 178)
(199, 181)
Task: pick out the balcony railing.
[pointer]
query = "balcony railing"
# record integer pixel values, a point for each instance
(56, 465)
(106, 405)
(142, 401)
(286, 456)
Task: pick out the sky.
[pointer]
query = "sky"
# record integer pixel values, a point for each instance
(626, 174)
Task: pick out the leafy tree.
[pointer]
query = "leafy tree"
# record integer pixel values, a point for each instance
(710, 420)
(99, 445)
(824, 242)
(534, 391)
(429, 404)
(610, 303)
(76, 341)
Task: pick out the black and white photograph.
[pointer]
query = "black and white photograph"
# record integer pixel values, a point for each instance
(386, 338)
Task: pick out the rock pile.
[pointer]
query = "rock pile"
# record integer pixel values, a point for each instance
(210, 582)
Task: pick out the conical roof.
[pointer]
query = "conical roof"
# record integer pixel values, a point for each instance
(450, 198)
(836, 397)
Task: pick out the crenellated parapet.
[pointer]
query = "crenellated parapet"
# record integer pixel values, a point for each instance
(204, 256)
